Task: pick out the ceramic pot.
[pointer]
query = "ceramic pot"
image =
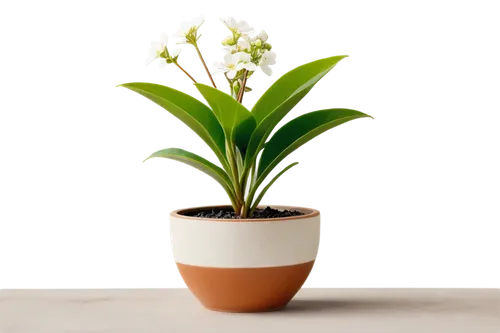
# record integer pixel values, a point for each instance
(245, 265)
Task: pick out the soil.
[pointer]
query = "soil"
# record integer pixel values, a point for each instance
(228, 213)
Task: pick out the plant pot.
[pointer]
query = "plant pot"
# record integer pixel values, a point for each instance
(245, 265)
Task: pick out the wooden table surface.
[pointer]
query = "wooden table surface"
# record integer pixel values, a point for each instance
(312, 311)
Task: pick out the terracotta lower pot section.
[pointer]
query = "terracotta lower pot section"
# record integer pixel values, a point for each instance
(245, 265)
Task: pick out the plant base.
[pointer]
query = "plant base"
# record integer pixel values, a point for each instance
(259, 213)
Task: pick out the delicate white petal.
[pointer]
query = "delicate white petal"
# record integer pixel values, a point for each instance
(242, 56)
(163, 38)
(268, 58)
(238, 23)
(182, 40)
(246, 65)
(153, 52)
(229, 48)
(250, 66)
(197, 21)
(176, 52)
(218, 71)
(185, 24)
(221, 19)
(268, 71)
(162, 65)
(269, 55)
(228, 59)
(262, 36)
(244, 45)
(218, 64)
(245, 27)
(177, 32)
(230, 22)
(240, 66)
(265, 61)
(220, 67)
(149, 56)
(231, 74)
(224, 21)
(247, 38)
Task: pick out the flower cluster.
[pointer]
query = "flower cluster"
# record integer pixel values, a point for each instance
(187, 34)
(246, 48)
(245, 51)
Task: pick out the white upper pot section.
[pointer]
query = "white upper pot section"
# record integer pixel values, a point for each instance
(245, 243)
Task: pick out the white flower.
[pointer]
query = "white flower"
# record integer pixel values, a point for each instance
(176, 50)
(249, 38)
(234, 63)
(243, 45)
(159, 50)
(268, 58)
(188, 31)
(241, 28)
(256, 35)
(230, 49)
(263, 35)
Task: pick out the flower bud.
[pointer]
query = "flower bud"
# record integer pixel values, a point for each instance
(163, 54)
(228, 41)
(263, 35)
(267, 46)
(236, 85)
(257, 43)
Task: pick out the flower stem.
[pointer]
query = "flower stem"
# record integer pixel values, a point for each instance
(242, 88)
(186, 72)
(203, 61)
(230, 86)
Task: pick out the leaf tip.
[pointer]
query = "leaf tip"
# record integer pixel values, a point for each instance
(119, 85)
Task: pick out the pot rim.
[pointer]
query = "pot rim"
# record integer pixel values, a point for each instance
(308, 213)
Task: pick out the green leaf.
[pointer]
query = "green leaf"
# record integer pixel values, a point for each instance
(199, 163)
(239, 162)
(281, 97)
(299, 131)
(272, 182)
(238, 123)
(189, 110)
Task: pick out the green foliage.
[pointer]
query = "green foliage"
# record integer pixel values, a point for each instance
(237, 136)
(238, 123)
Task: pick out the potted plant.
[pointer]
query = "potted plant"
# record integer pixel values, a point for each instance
(243, 257)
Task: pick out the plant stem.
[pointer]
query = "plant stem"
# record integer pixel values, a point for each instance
(243, 213)
(186, 72)
(234, 174)
(242, 88)
(230, 86)
(203, 61)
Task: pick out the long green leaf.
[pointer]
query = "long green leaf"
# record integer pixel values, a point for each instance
(299, 131)
(281, 97)
(189, 110)
(272, 182)
(238, 123)
(199, 163)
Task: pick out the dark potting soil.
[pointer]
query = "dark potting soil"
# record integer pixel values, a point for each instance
(228, 213)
